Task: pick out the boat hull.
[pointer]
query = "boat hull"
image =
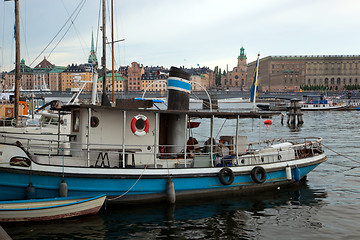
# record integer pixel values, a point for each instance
(49, 209)
(131, 185)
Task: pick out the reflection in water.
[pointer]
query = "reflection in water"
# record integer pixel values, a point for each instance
(231, 217)
(237, 217)
(87, 227)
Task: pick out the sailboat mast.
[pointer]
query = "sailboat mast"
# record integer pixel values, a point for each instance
(112, 50)
(17, 61)
(105, 100)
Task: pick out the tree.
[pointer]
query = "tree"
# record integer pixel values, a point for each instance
(217, 72)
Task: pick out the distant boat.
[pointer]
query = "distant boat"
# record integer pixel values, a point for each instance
(232, 100)
(320, 103)
(50, 208)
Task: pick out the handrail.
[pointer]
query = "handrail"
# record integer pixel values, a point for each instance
(51, 150)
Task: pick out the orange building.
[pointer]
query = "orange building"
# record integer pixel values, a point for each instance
(135, 72)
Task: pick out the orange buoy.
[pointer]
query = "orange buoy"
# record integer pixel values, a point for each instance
(269, 122)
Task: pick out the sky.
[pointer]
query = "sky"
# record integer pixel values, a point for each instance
(187, 33)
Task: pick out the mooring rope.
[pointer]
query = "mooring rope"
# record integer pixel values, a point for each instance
(341, 154)
(120, 196)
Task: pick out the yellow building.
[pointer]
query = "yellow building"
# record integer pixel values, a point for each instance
(120, 83)
(154, 83)
(75, 75)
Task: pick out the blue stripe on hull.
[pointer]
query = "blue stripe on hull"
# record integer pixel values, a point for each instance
(13, 186)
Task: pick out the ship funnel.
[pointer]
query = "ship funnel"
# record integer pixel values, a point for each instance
(179, 89)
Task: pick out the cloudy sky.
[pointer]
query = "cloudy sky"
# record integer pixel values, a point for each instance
(182, 32)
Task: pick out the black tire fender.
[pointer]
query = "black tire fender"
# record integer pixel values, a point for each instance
(254, 174)
(226, 172)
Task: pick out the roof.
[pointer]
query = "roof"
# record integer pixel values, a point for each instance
(58, 69)
(117, 77)
(190, 113)
(44, 64)
(23, 68)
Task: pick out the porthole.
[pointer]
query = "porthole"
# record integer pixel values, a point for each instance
(94, 121)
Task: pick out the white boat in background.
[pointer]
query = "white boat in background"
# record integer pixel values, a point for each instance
(49, 209)
(233, 100)
(320, 103)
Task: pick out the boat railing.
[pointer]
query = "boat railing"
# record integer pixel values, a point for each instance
(126, 155)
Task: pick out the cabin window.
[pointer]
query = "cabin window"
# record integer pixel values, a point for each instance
(76, 121)
(94, 121)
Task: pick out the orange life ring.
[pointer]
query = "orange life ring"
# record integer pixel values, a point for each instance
(140, 125)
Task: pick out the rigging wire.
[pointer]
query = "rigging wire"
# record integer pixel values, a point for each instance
(3, 38)
(98, 27)
(76, 9)
(67, 29)
(81, 41)
(342, 155)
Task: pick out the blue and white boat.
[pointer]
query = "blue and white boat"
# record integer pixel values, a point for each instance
(136, 155)
(321, 103)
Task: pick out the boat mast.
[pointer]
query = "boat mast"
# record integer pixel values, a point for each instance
(17, 61)
(104, 100)
(112, 50)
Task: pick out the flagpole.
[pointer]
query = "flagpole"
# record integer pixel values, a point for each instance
(256, 81)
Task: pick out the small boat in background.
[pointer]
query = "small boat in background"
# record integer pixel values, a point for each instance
(49, 208)
(320, 103)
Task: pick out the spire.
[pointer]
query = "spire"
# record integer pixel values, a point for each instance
(92, 42)
(242, 53)
(92, 56)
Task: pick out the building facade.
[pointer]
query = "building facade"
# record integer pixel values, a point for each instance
(26, 81)
(292, 73)
(74, 76)
(120, 83)
(333, 72)
(41, 75)
(201, 77)
(135, 72)
(278, 73)
(55, 78)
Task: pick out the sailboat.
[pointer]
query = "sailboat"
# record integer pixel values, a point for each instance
(136, 154)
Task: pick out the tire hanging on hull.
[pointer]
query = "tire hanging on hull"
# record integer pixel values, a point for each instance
(226, 172)
(258, 171)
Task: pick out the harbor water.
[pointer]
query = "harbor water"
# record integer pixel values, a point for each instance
(326, 206)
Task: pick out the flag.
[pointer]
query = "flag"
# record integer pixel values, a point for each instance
(254, 86)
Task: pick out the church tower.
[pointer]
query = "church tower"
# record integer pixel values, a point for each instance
(242, 59)
(92, 56)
